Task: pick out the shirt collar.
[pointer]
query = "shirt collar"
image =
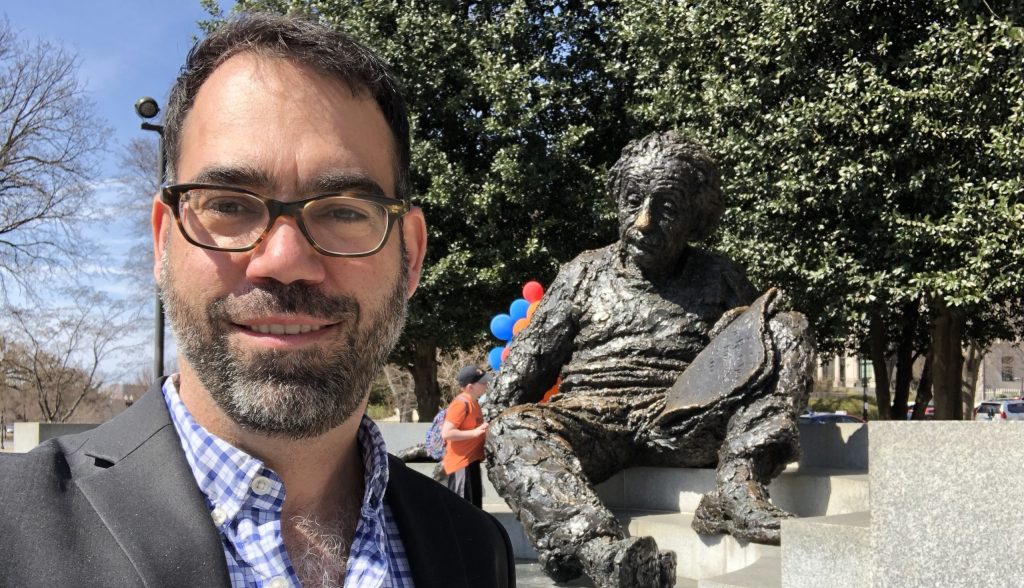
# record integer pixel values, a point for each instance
(224, 473)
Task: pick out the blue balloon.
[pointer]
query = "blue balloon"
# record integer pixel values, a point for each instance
(494, 358)
(518, 309)
(501, 326)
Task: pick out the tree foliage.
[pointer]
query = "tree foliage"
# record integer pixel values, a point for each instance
(49, 142)
(515, 116)
(871, 149)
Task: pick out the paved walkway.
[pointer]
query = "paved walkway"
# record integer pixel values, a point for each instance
(529, 575)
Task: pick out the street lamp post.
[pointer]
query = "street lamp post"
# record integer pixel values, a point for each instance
(864, 385)
(147, 108)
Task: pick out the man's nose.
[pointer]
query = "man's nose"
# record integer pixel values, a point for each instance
(285, 255)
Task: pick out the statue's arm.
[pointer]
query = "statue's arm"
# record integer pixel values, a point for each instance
(740, 293)
(539, 351)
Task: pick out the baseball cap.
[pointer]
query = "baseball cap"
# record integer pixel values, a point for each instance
(472, 374)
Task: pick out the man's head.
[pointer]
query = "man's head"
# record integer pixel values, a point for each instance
(473, 380)
(327, 51)
(668, 194)
(284, 335)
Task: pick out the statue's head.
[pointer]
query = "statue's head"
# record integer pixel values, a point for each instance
(668, 193)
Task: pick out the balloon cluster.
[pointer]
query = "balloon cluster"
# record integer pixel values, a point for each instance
(506, 326)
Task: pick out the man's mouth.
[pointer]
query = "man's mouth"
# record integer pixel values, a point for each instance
(274, 329)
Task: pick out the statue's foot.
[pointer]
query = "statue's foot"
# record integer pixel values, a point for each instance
(740, 512)
(634, 562)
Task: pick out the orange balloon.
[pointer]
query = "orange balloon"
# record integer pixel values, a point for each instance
(519, 326)
(531, 309)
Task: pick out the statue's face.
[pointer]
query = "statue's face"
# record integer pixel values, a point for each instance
(655, 224)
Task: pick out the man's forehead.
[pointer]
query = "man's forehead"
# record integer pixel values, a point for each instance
(256, 96)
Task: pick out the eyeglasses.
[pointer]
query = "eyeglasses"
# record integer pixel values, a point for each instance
(225, 218)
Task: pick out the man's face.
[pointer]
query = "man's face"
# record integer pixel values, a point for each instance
(285, 340)
(654, 223)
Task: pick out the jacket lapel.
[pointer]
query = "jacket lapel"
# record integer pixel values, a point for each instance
(149, 500)
(422, 520)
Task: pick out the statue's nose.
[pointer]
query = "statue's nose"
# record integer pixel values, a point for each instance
(643, 220)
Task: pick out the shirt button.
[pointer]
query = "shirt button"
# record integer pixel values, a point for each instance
(219, 516)
(278, 582)
(260, 485)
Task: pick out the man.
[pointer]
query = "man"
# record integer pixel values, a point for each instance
(464, 431)
(285, 248)
(622, 326)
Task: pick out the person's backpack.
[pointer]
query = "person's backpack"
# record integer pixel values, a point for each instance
(434, 442)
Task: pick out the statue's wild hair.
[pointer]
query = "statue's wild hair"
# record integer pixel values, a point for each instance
(695, 169)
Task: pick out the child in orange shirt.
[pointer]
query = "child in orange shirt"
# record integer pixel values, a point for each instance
(464, 432)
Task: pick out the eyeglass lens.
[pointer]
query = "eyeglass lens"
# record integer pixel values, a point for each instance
(228, 219)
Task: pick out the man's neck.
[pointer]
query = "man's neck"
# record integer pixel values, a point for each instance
(315, 472)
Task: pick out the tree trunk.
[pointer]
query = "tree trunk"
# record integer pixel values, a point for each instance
(924, 389)
(424, 376)
(970, 379)
(878, 347)
(905, 362)
(947, 366)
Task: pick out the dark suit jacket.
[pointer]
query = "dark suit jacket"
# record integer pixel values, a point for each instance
(118, 506)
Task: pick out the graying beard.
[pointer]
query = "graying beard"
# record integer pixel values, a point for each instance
(281, 396)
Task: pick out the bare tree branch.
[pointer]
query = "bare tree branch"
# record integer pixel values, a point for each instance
(50, 141)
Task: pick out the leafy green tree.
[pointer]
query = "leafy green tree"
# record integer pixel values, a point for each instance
(872, 152)
(516, 114)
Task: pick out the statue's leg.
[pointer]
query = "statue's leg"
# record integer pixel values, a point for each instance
(541, 460)
(761, 438)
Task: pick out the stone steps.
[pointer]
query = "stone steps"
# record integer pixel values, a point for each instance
(659, 502)
(827, 551)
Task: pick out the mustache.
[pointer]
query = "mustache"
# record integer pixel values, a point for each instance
(294, 298)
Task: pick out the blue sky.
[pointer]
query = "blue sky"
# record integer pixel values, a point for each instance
(126, 49)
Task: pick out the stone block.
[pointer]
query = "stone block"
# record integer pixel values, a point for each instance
(831, 551)
(944, 504)
(834, 446)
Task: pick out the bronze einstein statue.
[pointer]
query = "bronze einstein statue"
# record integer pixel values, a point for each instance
(668, 357)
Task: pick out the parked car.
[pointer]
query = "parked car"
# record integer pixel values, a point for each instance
(822, 418)
(1000, 410)
(929, 412)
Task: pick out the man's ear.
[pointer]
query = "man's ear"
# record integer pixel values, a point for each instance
(161, 221)
(414, 231)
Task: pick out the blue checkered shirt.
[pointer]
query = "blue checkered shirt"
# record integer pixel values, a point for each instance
(245, 499)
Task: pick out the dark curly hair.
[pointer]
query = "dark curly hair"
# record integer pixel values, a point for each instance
(328, 51)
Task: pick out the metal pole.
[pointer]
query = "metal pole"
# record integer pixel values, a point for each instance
(158, 306)
(864, 381)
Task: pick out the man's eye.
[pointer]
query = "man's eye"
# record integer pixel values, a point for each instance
(227, 205)
(342, 213)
